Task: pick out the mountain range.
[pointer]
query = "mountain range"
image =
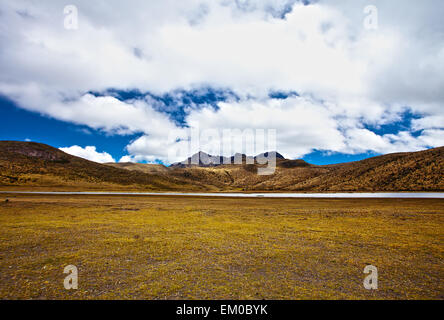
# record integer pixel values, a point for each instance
(202, 159)
(35, 166)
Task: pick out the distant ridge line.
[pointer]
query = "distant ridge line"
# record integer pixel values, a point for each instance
(35, 166)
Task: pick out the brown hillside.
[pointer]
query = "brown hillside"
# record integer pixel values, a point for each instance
(29, 164)
(415, 171)
(142, 167)
(26, 165)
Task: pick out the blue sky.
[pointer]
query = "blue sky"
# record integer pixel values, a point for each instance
(22, 125)
(337, 80)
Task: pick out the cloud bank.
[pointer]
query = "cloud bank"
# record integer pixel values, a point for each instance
(349, 81)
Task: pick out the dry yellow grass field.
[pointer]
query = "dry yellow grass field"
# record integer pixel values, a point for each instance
(138, 247)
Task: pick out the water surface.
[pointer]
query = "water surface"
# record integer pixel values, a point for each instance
(390, 195)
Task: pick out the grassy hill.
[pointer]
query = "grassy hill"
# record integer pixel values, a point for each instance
(414, 171)
(27, 165)
(142, 167)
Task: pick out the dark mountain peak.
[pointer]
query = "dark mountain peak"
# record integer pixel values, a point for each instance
(271, 153)
(203, 159)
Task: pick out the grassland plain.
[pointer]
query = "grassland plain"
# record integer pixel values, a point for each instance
(155, 247)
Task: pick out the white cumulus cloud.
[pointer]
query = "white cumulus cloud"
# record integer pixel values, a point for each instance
(89, 153)
(349, 79)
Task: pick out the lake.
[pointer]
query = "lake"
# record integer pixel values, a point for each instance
(389, 195)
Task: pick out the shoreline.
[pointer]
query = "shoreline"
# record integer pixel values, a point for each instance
(338, 195)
